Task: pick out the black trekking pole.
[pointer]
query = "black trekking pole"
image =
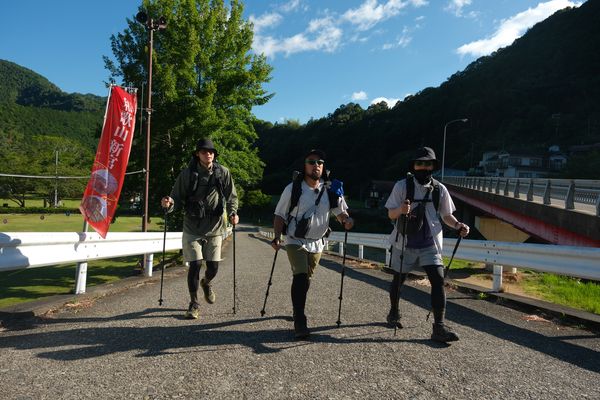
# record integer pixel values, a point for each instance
(339, 321)
(234, 291)
(404, 227)
(447, 269)
(262, 312)
(162, 269)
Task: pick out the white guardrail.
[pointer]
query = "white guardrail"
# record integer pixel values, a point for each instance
(580, 262)
(21, 250)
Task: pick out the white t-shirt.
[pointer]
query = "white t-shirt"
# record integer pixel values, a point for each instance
(446, 207)
(319, 216)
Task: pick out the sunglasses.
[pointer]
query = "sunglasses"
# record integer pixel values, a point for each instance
(206, 151)
(421, 163)
(314, 162)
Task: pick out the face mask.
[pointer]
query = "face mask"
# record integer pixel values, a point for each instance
(423, 176)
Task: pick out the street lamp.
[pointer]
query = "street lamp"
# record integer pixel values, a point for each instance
(151, 25)
(444, 145)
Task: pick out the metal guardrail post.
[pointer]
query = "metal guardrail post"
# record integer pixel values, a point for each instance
(387, 256)
(530, 190)
(81, 278)
(361, 249)
(148, 262)
(517, 195)
(569, 199)
(497, 278)
(547, 193)
(341, 248)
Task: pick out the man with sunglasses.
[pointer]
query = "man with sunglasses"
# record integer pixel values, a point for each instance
(307, 225)
(201, 190)
(423, 244)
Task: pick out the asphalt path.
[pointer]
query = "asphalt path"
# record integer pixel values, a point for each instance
(125, 345)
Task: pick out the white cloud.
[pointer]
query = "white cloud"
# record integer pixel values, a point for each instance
(321, 34)
(514, 27)
(456, 6)
(270, 20)
(362, 95)
(390, 102)
(291, 5)
(401, 41)
(370, 13)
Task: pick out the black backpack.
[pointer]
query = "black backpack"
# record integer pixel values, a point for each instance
(195, 206)
(297, 192)
(416, 218)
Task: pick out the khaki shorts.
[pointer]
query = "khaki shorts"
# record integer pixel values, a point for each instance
(206, 248)
(302, 261)
(414, 258)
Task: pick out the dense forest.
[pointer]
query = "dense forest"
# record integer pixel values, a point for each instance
(542, 90)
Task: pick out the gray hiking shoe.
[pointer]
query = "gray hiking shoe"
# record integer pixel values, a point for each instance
(193, 311)
(209, 294)
(442, 334)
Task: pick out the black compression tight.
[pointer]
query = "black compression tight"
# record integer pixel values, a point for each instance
(435, 273)
(193, 278)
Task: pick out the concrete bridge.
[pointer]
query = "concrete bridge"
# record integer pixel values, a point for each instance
(116, 342)
(557, 211)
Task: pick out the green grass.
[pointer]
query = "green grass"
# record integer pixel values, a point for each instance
(72, 223)
(564, 290)
(31, 284)
(37, 202)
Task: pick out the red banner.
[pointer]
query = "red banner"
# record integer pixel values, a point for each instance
(101, 195)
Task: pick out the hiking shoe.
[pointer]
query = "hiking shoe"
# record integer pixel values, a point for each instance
(193, 311)
(442, 334)
(393, 319)
(300, 329)
(209, 294)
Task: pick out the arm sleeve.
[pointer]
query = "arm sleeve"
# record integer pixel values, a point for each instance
(446, 206)
(283, 205)
(341, 207)
(397, 196)
(230, 193)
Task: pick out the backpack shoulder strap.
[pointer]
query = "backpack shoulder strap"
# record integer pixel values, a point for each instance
(435, 196)
(296, 193)
(410, 189)
(218, 175)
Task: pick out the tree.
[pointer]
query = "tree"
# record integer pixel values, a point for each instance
(205, 83)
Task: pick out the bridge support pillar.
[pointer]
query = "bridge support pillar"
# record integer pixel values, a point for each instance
(497, 278)
(81, 278)
(148, 261)
(494, 229)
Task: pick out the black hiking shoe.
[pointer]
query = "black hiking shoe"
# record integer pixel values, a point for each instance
(209, 294)
(300, 329)
(442, 334)
(393, 319)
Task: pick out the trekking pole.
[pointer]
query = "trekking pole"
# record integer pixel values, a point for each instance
(262, 312)
(339, 321)
(447, 269)
(162, 268)
(404, 227)
(234, 291)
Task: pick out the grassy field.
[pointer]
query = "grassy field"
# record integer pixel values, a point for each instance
(72, 223)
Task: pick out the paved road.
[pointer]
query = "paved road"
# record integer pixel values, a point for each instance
(126, 346)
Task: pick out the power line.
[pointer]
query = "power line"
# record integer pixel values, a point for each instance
(141, 171)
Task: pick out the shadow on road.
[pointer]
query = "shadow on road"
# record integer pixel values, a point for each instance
(556, 347)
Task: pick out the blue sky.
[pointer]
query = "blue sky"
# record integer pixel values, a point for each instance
(325, 53)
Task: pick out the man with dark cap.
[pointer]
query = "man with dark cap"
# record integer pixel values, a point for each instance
(204, 189)
(423, 201)
(304, 207)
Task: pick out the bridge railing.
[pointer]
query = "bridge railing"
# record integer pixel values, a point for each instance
(579, 262)
(21, 250)
(549, 191)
